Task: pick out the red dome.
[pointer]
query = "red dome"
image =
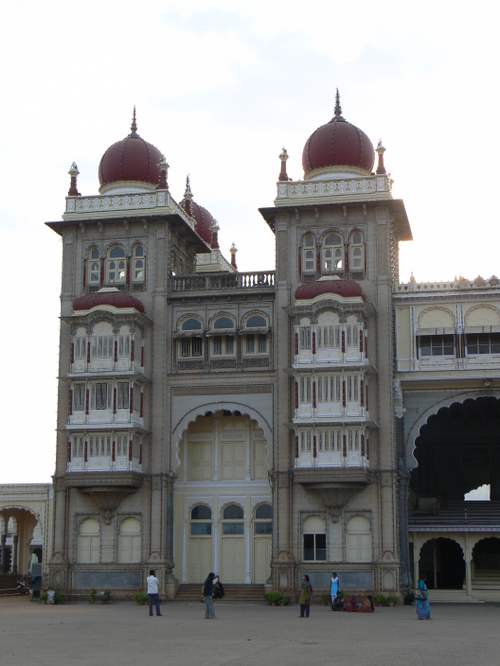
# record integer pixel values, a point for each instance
(131, 159)
(338, 143)
(344, 288)
(202, 218)
(118, 299)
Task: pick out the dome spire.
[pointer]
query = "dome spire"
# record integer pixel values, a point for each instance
(133, 127)
(338, 108)
(188, 195)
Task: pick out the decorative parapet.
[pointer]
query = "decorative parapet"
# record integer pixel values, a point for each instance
(216, 281)
(363, 188)
(461, 284)
(148, 203)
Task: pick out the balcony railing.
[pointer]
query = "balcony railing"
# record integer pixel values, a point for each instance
(216, 281)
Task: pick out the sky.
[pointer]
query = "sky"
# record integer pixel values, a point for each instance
(220, 87)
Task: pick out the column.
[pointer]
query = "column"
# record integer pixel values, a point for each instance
(248, 432)
(468, 577)
(415, 570)
(3, 564)
(216, 542)
(15, 541)
(216, 450)
(184, 551)
(248, 578)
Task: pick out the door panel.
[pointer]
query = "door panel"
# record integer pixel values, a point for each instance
(232, 559)
(200, 559)
(262, 548)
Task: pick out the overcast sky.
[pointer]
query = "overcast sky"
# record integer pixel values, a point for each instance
(220, 87)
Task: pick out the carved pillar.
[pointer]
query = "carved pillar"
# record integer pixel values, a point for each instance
(248, 540)
(216, 449)
(3, 563)
(415, 571)
(468, 577)
(215, 543)
(15, 542)
(169, 532)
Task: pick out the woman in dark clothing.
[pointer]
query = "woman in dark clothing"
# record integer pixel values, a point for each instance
(305, 597)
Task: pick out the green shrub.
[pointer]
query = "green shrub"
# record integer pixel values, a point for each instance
(92, 595)
(382, 600)
(409, 598)
(59, 597)
(105, 596)
(285, 600)
(274, 597)
(141, 598)
(326, 598)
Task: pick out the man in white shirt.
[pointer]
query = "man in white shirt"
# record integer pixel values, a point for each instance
(153, 582)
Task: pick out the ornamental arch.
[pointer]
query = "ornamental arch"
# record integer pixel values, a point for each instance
(222, 478)
(457, 450)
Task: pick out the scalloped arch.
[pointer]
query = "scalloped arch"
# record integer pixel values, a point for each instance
(414, 431)
(201, 410)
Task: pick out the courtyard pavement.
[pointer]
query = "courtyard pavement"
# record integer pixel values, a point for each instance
(122, 633)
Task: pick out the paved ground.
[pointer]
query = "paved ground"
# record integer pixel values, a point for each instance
(244, 635)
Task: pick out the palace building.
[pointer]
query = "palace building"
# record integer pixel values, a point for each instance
(319, 416)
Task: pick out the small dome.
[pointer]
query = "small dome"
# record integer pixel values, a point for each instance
(344, 288)
(204, 221)
(114, 297)
(338, 144)
(130, 160)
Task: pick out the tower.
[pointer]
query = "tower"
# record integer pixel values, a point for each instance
(335, 469)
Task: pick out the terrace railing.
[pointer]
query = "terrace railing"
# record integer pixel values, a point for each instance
(217, 281)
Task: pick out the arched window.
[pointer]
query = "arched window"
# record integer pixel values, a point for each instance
(358, 540)
(356, 253)
(117, 265)
(309, 255)
(314, 539)
(80, 344)
(94, 267)
(333, 254)
(102, 346)
(89, 542)
(201, 520)
(129, 541)
(264, 519)
(233, 520)
(191, 341)
(138, 265)
(223, 336)
(255, 331)
(328, 331)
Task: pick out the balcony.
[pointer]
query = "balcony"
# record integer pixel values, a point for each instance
(332, 460)
(222, 281)
(104, 464)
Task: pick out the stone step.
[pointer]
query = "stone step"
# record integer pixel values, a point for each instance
(233, 592)
(451, 597)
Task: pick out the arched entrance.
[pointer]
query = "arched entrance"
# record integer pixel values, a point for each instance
(223, 500)
(17, 527)
(457, 450)
(486, 563)
(442, 563)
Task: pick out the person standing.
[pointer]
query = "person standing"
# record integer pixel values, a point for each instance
(422, 599)
(153, 595)
(207, 595)
(334, 586)
(305, 597)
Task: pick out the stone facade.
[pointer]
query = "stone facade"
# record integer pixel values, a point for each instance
(261, 425)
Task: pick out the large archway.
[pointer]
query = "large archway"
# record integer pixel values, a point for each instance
(442, 563)
(223, 500)
(457, 450)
